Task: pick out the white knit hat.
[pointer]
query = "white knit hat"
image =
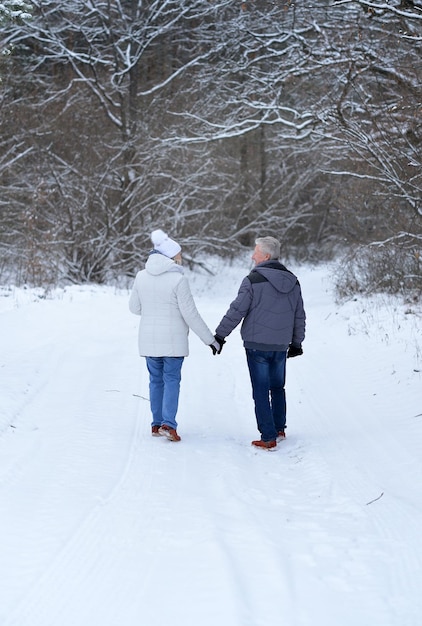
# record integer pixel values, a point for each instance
(165, 245)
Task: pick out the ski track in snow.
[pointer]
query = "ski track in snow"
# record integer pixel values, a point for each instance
(101, 523)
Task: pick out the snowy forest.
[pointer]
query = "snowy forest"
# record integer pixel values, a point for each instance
(218, 121)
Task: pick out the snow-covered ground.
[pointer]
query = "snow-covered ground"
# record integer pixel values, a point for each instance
(102, 524)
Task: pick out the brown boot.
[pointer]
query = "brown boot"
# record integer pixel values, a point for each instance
(281, 435)
(168, 432)
(155, 431)
(267, 445)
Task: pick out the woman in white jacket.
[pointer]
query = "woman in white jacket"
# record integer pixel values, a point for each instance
(162, 297)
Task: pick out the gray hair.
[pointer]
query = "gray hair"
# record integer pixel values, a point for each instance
(269, 245)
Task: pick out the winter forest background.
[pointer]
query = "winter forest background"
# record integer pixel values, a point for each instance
(218, 121)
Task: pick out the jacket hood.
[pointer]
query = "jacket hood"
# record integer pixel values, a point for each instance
(159, 264)
(278, 275)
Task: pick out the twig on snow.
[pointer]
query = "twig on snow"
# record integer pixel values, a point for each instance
(375, 499)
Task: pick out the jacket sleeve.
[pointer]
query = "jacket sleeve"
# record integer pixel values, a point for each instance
(299, 321)
(190, 313)
(237, 311)
(134, 300)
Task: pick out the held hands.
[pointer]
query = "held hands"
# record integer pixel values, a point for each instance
(294, 351)
(217, 345)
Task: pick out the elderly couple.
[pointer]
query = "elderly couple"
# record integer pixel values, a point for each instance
(270, 304)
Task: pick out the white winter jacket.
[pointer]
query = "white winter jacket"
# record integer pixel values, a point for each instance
(161, 296)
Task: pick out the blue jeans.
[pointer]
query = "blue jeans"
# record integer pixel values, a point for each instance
(268, 376)
(165, 373)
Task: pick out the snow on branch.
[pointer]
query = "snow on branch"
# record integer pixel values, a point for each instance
(414, 12)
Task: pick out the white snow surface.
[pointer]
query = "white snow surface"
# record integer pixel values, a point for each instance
(100, 523)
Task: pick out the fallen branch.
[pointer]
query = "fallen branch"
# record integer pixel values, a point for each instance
(380, 496)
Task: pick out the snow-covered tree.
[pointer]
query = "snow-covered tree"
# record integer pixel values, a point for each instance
(101, 77)
(14, 11)
(218, 121)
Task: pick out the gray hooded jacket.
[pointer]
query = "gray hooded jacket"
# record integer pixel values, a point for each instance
(270, 303)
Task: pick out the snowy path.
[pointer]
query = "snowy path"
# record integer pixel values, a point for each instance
(101, 523)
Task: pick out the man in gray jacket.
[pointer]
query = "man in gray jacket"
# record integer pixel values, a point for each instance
(270, 303)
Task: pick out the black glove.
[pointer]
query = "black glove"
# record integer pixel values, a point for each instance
(294, 351)
(221, 341)
(215, 347)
